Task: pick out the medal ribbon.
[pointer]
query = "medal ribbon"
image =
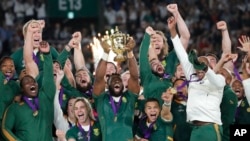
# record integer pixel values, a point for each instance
(7, 78)
(89, 92)
(35, 58)
(33, 106)
(166, 75)
(236, 72)
(114, 107)
(61, 96)
(83, 132)
(147, 132)
(186, 82)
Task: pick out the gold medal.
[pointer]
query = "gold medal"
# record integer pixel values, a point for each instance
(35, 113)
(248, 109)
(5, 81)
(115, 119)
(173, 90)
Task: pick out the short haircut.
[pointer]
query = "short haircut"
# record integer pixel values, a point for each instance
(178, 79)
(21, 81)
(25, 27)
(3, 59)
(55, 61)
(151, 100)
(213, 55)
(113, 76)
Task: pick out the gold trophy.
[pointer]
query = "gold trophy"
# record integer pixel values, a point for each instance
(117, 40)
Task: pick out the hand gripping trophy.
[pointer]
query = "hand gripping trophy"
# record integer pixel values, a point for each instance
(117, 40)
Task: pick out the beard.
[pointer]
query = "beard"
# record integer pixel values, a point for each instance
(115, 94)
(158, 74)
(83, 88)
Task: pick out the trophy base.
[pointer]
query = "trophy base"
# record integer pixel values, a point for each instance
(119, 58)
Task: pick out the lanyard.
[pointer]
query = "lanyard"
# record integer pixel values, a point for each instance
(89, 92)
(236, 72)
(34, 106)
(186, 82)
(115, 107)
(148, 131)
(35, 58)
(7, 79)
(61, 96)
(84, 132)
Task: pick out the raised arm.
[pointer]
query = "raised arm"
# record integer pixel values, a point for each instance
(30, 65)
(64, 55)
(245, 45)
(78, 55)
(145, 68)
(167, 97)
(226, 43)
(60, 122)
(133, 82)
(179, 49)
(225, 57)
(97, 51)
(246, 79)
(245, 73)
(48, 86)
(181, 25)
(99, 83)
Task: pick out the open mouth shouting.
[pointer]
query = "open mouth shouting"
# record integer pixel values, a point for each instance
(81, 117)
(36, 42)
(83, 81)
(157, 49)
(8, 73)
(33, 89)
(152, 117)
(160, 69)
(237, 92)
(117, 87)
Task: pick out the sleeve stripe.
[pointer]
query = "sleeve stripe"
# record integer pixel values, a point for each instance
(6, 134)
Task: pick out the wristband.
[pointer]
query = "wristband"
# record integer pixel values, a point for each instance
(105, 56)
(68, 47)
(167, 104)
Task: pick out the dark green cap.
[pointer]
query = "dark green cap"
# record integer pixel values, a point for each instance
(193, 58)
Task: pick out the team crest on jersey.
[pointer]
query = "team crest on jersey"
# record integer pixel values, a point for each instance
(124, 99)
(242, 104)
(96, 132)
(79, 136)
(155, 126)
(248, 109)
(164, 63)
